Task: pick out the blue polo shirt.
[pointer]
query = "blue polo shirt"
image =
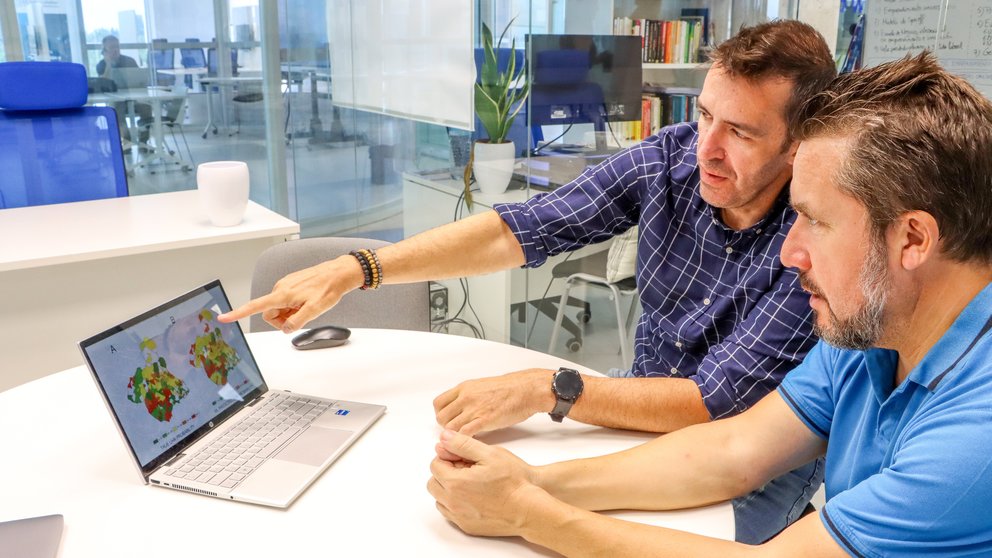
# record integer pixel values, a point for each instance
(909, 467)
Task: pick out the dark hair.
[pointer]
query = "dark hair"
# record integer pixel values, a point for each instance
(109, 39)
(781, 48)
(920, 139)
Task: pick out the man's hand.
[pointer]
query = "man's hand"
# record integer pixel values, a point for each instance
(497, 402)
(482, 489)
(302, 296)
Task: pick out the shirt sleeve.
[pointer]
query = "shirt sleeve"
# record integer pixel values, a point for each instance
(932, 500)
(603, 201)
(752, 361)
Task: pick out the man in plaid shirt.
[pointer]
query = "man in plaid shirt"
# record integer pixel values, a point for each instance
(723, 320)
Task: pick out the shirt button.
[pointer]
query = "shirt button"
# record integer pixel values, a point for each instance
(675, 370)
(730, 250)
(706, 301)
(678, 344)
(758, 231)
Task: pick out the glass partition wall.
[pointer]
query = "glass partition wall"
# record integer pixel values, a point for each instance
(372, 152)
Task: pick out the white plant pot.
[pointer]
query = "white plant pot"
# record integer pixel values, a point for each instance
(493, 166)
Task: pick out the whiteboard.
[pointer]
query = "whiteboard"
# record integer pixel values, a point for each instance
(959, 32)
(412, 59)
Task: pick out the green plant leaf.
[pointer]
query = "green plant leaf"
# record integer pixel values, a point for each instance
(499, 96)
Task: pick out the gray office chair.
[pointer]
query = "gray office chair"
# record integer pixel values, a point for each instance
(389, 307)
(593, 270)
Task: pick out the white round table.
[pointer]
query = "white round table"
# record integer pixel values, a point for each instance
(62, 454)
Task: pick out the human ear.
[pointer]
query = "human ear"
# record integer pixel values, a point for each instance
(793, 147)
(918, 235)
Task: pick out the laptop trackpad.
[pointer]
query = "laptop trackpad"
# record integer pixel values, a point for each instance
(314, 446)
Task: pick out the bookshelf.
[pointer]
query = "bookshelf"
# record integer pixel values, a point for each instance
(678, 33)
(660, 66)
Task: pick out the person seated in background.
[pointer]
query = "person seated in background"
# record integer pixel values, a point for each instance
(893, 186)
(112, 60)
(723, 319)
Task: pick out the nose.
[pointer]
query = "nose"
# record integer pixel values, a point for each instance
(710, 145)
(793, 253)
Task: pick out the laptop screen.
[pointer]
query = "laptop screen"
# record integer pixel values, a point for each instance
(174, 372)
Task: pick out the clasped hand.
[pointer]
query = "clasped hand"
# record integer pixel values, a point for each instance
(484, 490)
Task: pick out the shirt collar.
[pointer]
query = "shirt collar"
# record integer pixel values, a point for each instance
(772, 221)
(967, 330)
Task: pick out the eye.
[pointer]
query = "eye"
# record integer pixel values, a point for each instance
(703, 115)
(741, 135)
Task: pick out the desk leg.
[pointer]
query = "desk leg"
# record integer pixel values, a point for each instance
(210, 112)
(161, 152)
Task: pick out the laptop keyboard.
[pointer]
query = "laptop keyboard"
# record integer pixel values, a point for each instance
(231, 457)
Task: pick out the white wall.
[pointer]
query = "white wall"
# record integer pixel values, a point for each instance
(176, 20)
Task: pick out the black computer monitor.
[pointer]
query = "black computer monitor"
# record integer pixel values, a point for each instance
(580, 79)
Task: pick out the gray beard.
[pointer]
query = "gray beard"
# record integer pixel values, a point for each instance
(862, 330)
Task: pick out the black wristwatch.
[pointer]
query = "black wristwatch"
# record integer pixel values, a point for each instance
(567, 387)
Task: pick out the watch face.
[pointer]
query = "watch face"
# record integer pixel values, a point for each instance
(568, 385)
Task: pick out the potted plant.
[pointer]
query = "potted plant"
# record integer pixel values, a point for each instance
(499, 96)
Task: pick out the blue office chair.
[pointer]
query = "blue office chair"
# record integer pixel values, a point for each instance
(192, 57)
(53, 149)
(163, 58)
(212, 61)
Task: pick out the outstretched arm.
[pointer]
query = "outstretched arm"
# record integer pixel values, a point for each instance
(475, 245)
(735, 373)
(487, 491)
(646, 404)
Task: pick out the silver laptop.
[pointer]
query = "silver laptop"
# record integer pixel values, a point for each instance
(33, 537)
(130, 78)
(196, 414)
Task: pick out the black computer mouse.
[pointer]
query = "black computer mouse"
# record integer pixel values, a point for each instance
(322, 338)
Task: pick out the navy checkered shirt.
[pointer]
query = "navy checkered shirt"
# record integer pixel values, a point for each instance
(719, 306)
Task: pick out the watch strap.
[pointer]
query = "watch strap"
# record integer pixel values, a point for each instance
(562, 407)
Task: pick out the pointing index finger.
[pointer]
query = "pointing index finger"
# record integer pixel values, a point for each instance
(255, 306)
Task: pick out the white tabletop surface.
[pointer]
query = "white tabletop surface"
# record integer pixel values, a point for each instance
(227, 80)
(80, 231)
(63, 455)
(146, 94)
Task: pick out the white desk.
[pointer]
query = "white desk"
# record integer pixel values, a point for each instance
(65, 456)
(68, 271)
(217, 81)
(155, 97)
(181, 73)
(429, 201)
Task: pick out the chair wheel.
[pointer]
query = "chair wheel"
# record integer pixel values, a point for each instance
(573, 344)
(583, 317)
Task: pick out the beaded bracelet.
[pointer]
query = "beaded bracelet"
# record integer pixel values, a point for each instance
(376, 268)
(366, 269)
(371, 268)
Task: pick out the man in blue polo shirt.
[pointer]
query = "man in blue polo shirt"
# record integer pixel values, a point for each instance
(893, 187)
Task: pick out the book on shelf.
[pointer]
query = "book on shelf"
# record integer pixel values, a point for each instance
(666, 42)
(660, 106)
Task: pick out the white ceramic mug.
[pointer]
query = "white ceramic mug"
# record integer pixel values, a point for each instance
(223, 187)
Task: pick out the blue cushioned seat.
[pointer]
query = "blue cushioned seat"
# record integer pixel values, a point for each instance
(53, 148)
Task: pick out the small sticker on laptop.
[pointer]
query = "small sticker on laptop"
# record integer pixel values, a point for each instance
(342, 412)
